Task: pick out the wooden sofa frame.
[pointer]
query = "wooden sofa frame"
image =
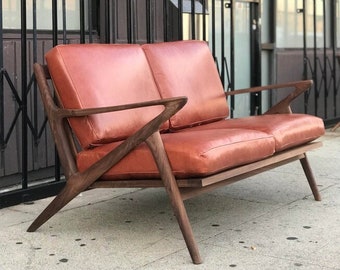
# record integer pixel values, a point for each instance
(178, 190)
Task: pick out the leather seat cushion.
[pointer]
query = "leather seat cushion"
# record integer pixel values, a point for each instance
(191, 153)
(289, 130)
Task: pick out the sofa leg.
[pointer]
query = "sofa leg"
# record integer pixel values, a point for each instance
(156, 145)
(336, 127)
(310, 177)
(64, 197)
(183, 220)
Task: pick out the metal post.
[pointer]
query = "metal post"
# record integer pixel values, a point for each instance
(2, 109)
(148, 21)
(232, 58)
(324, 74)
(90, 21)
(334, 30)
(255, 58)
(213, 25)
(180, 19)
(222, 44)
(150, 12)
(64, 21)
(129, 20)
(204, 20)
(24, 157)
(305, 57)
(35, 88)
(55, 43)
(316, 83)
(55, 22)
(193, 21)
(82, 21)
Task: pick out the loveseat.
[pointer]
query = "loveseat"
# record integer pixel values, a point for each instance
(156, 115)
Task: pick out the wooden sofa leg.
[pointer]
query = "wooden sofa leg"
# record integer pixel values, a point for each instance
(310, 177)
(336, 127)
(156, 145)
(64, 197)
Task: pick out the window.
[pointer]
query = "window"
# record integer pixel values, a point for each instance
(289, 27)
(12, 14)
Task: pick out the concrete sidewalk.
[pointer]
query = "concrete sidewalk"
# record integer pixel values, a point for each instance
(269, 221)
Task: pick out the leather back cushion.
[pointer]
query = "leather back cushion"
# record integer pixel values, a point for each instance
(187, 68)
(97, 75)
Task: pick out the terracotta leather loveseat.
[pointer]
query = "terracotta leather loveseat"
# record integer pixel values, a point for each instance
(111, 129)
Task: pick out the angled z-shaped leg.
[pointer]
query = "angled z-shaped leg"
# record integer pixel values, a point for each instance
(310, 177)
(69, 192)
(336, 127)
(156, 145)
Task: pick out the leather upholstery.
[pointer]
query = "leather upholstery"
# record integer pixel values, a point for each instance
(94, 75)
(288, 129)
(187, 68)
(191, 153)
(206, 100)
(199, 140)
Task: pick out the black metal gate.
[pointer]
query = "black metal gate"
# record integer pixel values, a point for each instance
(321, 63)
(318, 59)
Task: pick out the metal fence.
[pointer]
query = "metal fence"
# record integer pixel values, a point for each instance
(29, 167)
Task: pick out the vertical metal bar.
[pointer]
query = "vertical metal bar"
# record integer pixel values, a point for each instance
(55, 43)
(180, 19)
(334, 31)
(193, 21)
(63, 9)
(315, 59)
(165, 20)
(90, 11)
(2, 110)
(305, 58)
(227, 86)
(55, 22)
(105, 10)
(35, 47)
(82, 21)
(232, 57)
(129, 20)
(272, 7)
(24, 158)
(148, 21)
(255, 57)
(222, 43)
(213, 27)
(204, 6)
(324, 75)
(35, 89)
(305, 66)
(134, 21)
(152, 21)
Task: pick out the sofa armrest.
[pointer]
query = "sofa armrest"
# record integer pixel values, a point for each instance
(282, 106)
(167, 102)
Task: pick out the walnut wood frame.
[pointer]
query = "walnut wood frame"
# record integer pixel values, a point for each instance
(177, 190)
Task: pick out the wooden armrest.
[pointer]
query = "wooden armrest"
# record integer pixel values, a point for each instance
(282, 106)
(42, 74)
(66, 113)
